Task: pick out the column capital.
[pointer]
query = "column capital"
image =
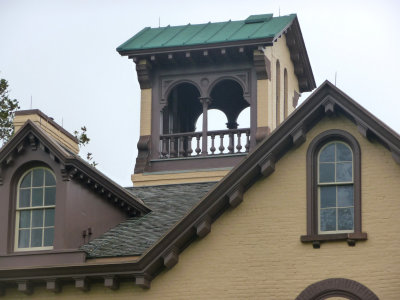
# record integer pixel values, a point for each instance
(205, 100)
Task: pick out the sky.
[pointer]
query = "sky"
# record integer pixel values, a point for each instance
(59, 56)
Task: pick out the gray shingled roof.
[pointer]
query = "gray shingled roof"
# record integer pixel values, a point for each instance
(169, 203)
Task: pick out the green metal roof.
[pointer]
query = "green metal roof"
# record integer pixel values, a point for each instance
(254, 27)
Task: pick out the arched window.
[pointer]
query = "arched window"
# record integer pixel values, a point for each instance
(333, 189)
(278, 92)
(35, 209)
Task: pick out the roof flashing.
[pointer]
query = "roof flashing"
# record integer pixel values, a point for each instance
(258, 18)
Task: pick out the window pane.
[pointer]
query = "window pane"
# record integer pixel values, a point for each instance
(24, 198)
(37, 197)
(327, 154)
(345, 196)
(38, 177)
(48, 236)
(37, 218)
(344, 172)
(50, 196)
(26, 182)
(36, 240)
(50, 180)
(343, 152)
(327, 172)
(25, 219)
(328, 219)
(328, 196)
(345, 218)
(49, 217)
(23, 238)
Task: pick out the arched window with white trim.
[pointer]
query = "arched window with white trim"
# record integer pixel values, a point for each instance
(35, 210)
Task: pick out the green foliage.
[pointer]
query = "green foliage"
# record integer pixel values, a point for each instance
(7, 110)
(83, 140)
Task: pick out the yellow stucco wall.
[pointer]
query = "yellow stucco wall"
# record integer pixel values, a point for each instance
(143, 179)
(145, 112)
(254, 251)
(279, 51)
(20, 120)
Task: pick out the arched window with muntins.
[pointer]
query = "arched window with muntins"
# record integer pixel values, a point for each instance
(35, 210)
(335, 188)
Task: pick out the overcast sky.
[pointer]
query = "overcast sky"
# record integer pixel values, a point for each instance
(62, 53)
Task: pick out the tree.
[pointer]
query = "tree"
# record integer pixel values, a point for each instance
(83, 140)
(7, 110)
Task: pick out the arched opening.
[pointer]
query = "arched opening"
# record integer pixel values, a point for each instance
(227, 96)
(244, 118)
(337, 288)
(182, 109)
(278, 92)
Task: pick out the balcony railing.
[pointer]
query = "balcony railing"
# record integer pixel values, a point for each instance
(218, 142)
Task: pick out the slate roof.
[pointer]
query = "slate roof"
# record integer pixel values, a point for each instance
(253, 28)
(169, 204)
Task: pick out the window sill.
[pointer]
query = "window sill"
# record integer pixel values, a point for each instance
(351, 238)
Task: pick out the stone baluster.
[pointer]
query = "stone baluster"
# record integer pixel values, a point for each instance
(172, 151)
(247, 146)
(231, 142)
(181, 149)
(189, 146)
(164, 150)
(221, 144)
(238, 146)
(212, 149)
(198, 150)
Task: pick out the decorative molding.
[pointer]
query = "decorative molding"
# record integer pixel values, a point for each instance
(171, 258)
(143, 69)
(262, 133)
(298, 136)
(53, 285)
(82, 283)
(262, 65)
(32, 141)
(143, 157)
(143, 281)
(204, 227)
(25, 286)
(295, 99)
(329, 106)
(339, 287)
(236, 197)
(111, 282)
(267, 166)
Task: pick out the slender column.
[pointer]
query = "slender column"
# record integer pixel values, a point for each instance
(205, 101)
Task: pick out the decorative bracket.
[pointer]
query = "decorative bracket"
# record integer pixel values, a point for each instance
(298, 136)
(53, 285)
(111, 282)
(267, 166)
(236, 197)
(262, 65)
(143, 69)
(143, 281)
(171, 257)
(204, 227)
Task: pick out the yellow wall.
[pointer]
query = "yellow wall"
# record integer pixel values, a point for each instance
(20, 120)
(143, 179)
(280, 51)
(145, 112)
(254, 251)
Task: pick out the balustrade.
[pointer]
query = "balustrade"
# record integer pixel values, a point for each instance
(191, 144)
